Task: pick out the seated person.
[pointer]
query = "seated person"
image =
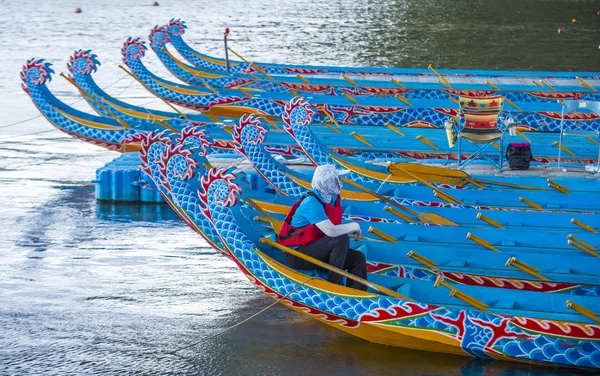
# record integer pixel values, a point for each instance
(314, 226)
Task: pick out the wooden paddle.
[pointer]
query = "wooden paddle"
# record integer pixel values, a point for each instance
(444, 175)
(443, 195)
(275, 223)
(324, 265)
(119, 120)
(421, 217)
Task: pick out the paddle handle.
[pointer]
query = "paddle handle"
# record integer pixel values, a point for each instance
(158, 96)
(378, 196)
(331, 268)
(85, 94)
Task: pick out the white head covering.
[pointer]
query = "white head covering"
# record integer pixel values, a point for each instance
(326, 182)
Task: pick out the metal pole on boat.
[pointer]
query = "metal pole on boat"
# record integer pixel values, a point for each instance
(598, 166)
(562, 122)
(152, 92)
(226, 50)
(88, 96)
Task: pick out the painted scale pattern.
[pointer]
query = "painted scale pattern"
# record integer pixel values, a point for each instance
(248, 137)
(296, 118)
(176, 29)
(155, 156)
(195, 98)
(180, 167)
(134, 49)
(83, 63)
(273, 171)
(177, 167)
(81, 66)
(480, 334)
(150, 154)
(419, 273)
(159, 38)
(35, 74)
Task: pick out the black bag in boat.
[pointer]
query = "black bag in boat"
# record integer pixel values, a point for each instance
(518, 156)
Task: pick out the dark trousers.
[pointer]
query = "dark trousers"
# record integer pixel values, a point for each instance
(335, 252)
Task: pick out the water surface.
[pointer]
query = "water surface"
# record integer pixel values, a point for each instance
(89, 288)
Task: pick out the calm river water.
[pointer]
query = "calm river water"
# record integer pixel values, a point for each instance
(89, 288)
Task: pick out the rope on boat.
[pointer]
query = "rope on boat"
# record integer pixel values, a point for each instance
(382, 183)
(28, 134)
(20, 122)
(126, 87)
(70, 104)
(173, 352)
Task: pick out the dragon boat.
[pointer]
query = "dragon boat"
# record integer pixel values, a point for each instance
(367, 142)
(523, 91)
(109, 133)
(177, 28)
(172, 162)
(165, 158)
(113, 132)
(515, 325)
(369, 178)
(340, 110)
(360, 141)
(249, 136)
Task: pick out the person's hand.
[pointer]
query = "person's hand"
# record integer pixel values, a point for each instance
(358, 232)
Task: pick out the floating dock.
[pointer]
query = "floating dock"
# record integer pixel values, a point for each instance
(123, 181)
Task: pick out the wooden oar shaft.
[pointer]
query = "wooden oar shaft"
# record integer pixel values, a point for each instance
(85, 94)
(252, 65)
(331, 268)
(427, 184)
(420, 217)
(448, 176)
(378, 196)
(158, 96)
(510, 185)
(276, 224)
(121, 121)
(582, 82)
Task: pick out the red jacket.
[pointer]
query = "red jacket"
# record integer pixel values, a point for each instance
(290, 236)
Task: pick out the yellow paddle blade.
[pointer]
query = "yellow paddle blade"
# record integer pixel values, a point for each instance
(436, 219)
(423, 218)
(442, 175)
(433, 174)
(391, 178)
(276, 224)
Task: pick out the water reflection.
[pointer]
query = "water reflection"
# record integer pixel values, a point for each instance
(107, 211)
(493, 34)
(337, 353)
